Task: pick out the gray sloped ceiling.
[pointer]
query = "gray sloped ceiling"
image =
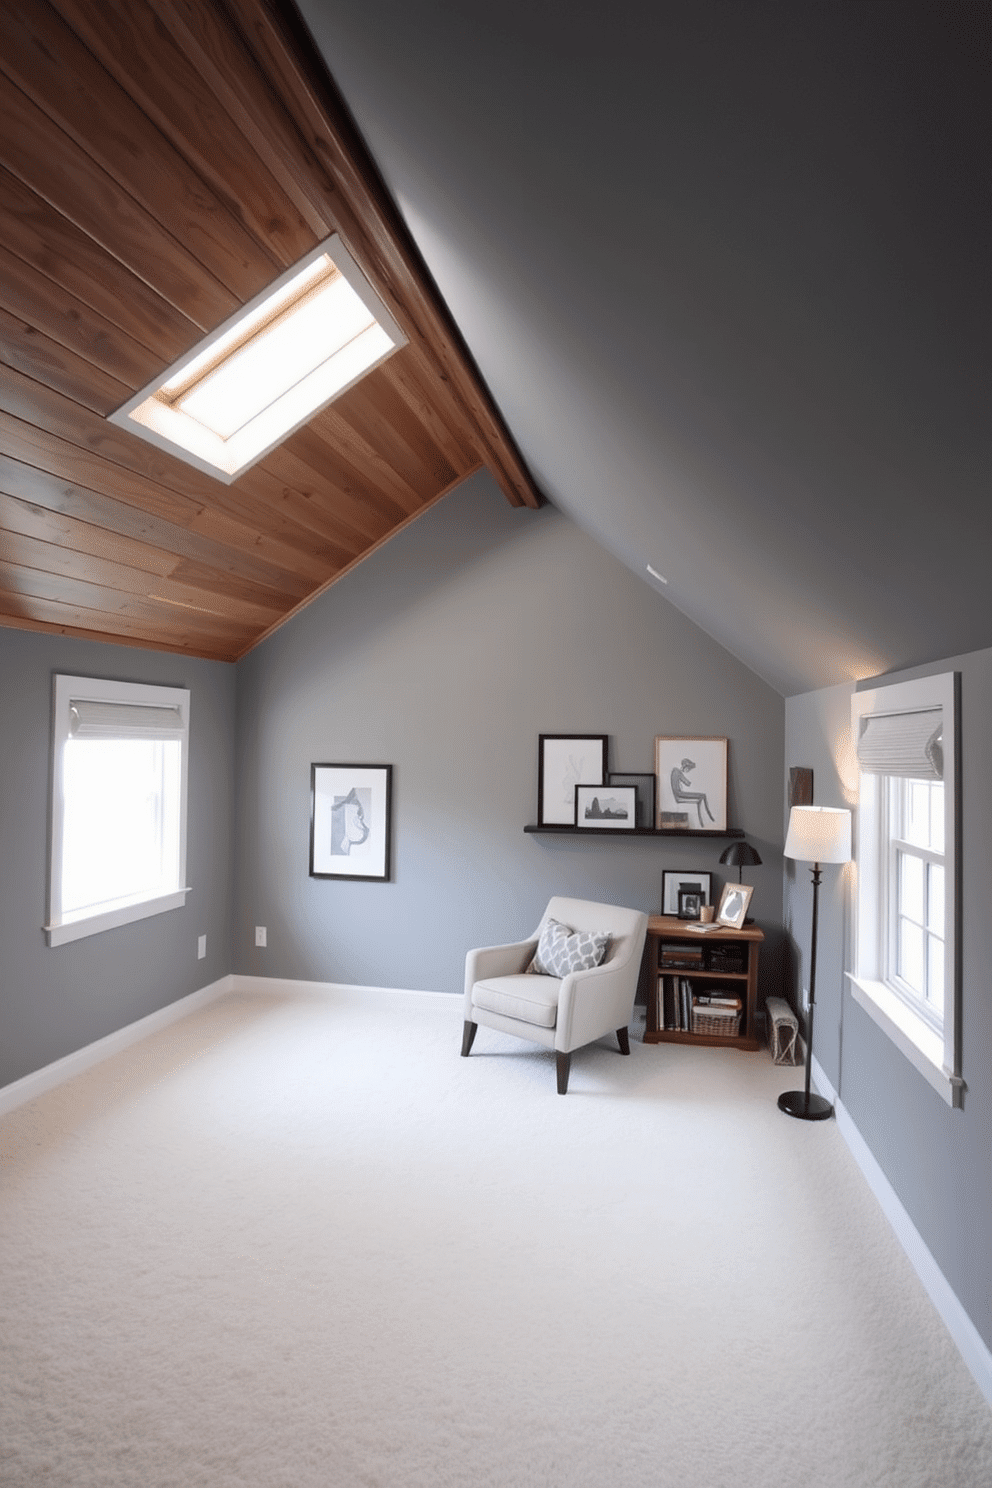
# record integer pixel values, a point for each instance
(725, 269)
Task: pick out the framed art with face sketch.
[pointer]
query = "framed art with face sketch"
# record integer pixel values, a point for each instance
(350, 825)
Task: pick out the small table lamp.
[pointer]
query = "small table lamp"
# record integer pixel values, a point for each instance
(741, 855)
(817, 834)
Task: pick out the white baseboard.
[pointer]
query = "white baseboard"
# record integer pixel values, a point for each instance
(970, 1344)
(293, 987)
(46, 1078)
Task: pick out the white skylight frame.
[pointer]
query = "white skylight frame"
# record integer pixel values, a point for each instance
(254, 333)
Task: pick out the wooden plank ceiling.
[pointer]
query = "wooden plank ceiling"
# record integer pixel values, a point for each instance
(161, 162)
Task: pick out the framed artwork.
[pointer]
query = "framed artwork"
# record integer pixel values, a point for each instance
(733, 905)
(350, 827)
(676, 881)
(598, 806)
(692, 783)
(644, 786)
(800, 786)
(690, 902)
(563, 762)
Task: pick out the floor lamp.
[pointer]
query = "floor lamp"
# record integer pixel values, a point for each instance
(817, 834)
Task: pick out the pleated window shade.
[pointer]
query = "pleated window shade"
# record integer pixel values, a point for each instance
(94, 720)
(907, 744)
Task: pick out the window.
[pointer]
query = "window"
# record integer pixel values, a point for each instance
(282, 357)
(905, 952)
(915, 842)
(119, 770)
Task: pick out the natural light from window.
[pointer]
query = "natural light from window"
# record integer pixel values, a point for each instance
(917, 878)
(906, 974)
(120, 838)
(269, 368)
(120, 772)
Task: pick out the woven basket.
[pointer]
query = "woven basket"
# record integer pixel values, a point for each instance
(716, 1021)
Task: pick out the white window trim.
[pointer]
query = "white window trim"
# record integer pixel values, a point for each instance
(937, 1057)
(97, 689)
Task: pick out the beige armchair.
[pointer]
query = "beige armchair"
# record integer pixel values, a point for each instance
(562, 1014)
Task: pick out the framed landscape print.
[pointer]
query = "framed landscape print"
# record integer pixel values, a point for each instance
(598, 806)
(692, 783)
(563, 762)
(350, 821)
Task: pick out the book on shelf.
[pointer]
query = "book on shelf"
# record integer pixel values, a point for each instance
(676, 1000)
(680, 957)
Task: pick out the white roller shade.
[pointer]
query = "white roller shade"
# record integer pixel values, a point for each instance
(907, 744)
(95, 720)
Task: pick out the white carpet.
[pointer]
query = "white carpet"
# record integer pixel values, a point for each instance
(301, 1242)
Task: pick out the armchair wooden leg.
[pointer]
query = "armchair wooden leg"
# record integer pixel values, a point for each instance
(623, 1039)
(564, 1064)
(468, 1034)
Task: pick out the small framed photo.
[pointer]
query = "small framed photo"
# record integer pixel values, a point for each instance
(690, 901)
(733, 905)
(644, 786)
(563, 762)
(675, 881)
(599, 806)
(692, 783)
(350, 825)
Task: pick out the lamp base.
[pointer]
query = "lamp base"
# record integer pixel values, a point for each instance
(794, 1103)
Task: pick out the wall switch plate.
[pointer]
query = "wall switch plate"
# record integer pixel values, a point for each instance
(201, 947)
(260, 935)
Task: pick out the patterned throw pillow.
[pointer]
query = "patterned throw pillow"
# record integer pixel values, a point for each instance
(559, 951)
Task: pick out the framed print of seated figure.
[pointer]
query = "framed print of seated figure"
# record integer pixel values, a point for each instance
(691, 778)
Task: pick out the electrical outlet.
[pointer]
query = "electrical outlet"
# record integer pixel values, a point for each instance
(201, 948)
(260, 935)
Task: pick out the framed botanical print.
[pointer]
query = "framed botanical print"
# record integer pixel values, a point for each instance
(563, 762)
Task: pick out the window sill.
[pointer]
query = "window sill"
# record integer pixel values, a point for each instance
(919, 1043)
(109, 919)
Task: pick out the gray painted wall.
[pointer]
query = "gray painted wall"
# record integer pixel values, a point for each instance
(791, 313)
(447, 654)
(54, 1000)
(936, 1158)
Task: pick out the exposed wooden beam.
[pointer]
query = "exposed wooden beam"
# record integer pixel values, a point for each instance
(367, 217)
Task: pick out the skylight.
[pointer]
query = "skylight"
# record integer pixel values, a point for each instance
(268, 369)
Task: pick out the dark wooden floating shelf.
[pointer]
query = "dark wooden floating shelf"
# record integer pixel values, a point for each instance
(564, 831)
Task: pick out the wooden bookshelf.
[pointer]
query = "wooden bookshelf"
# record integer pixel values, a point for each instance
(666, 929)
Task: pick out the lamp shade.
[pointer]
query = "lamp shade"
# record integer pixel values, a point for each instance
(740, 853)
(819, 834)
